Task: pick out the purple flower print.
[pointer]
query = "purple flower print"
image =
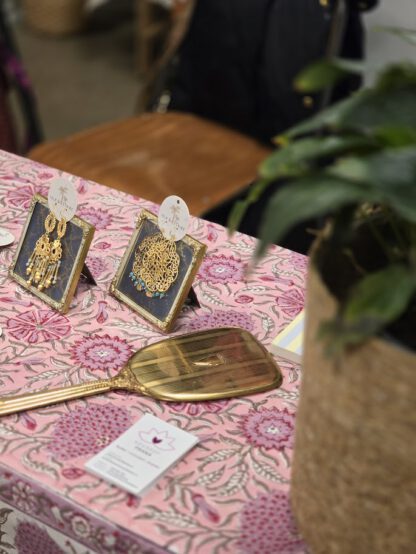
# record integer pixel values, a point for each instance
(291, 302)
(267, 526)
(299, 261)
(24, 498)
(221, 269)
(36, 326)
(86, 431)
(21, 196)
(98, 217)
(222, 318)
(101, 352)
(269, 428)
(80, 526)
(31, 538)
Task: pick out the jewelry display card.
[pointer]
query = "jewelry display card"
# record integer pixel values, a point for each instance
(74, 244)
(142, 454)
(178, 262)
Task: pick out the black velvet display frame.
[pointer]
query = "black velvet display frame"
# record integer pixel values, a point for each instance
(75, 244)
(161, 312)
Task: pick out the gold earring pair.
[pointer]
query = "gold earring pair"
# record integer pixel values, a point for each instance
(45, 260)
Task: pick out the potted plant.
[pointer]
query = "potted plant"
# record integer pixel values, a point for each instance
(353, 484)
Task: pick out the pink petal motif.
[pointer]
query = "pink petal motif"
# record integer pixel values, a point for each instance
(102, 245)
(212, 233)
(28, 421)
(208, 511)
(72, 472)
(291, 302)
(221, 269)
(244, 299)
(31, 539)
(28, 362)
(101, 352)
(267, 526)
(133, 501)
(38, 326)
(102, 312)
(269, 428)
(45, 175)
(268, 278)
(82, 186)
(25, 303)
(86, 431)
(284, 281)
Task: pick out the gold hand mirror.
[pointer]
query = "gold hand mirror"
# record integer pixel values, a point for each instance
(206, 365)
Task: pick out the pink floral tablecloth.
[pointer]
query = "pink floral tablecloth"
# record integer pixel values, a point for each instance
(230, 493)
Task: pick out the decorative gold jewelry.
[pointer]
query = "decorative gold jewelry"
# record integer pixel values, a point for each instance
(38, 261)
(156, 265)
(50, 276)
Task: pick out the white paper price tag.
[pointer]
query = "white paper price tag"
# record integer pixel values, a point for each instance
(62, 198)
(6, 237)
(173, 218)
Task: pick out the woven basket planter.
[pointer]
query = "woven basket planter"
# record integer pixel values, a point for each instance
(55, 17)
(354, 470)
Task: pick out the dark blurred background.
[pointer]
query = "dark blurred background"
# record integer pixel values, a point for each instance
(93, 75)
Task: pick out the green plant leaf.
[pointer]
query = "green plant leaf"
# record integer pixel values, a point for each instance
(390, 103)
(240, 207)
(376, 301)
(396, 136)
(329, 118)
(391, 172)
(380, 297)
(306, 198)
(236, 215)
(290, 160)
(381, 108)
(325, 73)
(396, 76)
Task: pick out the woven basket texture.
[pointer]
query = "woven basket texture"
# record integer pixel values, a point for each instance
(354, 471)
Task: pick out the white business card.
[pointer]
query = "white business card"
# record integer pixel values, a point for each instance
(141, 454)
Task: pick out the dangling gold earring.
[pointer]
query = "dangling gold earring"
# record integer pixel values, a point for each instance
(51, 274)
(38, 261)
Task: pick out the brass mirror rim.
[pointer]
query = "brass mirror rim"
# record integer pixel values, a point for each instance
(206, 396)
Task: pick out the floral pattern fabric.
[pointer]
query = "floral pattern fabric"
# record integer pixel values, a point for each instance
(231, 492)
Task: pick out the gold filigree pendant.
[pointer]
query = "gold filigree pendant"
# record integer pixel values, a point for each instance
(156, 265)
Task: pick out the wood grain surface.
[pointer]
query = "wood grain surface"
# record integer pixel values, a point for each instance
(154, 155)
